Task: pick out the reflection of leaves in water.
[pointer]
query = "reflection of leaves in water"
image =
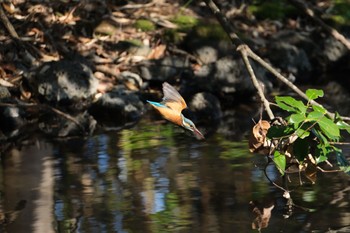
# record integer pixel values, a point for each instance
(147, 136)
(172, 218)
(234, 150)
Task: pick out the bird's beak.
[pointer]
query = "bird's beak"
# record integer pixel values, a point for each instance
(198, 134)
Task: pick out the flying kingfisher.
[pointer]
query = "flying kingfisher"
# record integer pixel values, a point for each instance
(171, 107)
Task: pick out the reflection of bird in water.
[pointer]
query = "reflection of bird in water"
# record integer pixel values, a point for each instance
(171, 107)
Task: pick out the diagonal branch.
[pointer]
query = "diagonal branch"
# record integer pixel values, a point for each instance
(246, 51)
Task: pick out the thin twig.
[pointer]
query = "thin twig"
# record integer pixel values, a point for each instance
(67, 116)
(242, 49)
(272, 182)
(7, 23)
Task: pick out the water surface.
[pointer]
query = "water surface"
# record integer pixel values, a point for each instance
(155, 178)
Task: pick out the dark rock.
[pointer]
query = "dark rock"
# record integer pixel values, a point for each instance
(332, 50)
(12, 120)
(13, 117)
(60, 126)
(294, 53)
(163, 69)
(64, 83)
(337, 97)
(289, 58)
(206, 107)
(229, 77)
(205, 111)
(117, 107)
(208, 43)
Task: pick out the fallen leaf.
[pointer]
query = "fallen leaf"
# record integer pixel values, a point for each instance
(258, 135)
(157, 52)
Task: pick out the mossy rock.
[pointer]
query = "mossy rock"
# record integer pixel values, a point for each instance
(184, 22)
(145, 25)
(274, 10)
(340, 13)
(211, 30)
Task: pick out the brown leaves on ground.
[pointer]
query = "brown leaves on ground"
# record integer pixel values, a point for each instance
(100, 31)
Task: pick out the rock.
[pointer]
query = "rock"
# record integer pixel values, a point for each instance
(289, 58)
(12, 118)
(64, 83)
(58, 126)
(207, 54)
(333, 50)
(294, 53)
(117, 107)
(228, 76)
(337, 97)
(163, 69)
(206, 107)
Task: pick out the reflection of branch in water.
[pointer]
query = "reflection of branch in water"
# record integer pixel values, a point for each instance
(10, 216)
(272, 182)
(286, 194)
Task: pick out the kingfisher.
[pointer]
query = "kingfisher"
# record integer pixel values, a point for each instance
(171, 107)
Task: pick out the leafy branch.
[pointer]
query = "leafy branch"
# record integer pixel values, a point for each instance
(308, 135)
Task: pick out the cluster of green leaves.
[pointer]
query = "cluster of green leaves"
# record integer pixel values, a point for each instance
(314, 132)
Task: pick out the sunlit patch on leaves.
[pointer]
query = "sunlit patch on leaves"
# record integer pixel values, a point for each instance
(306, 137)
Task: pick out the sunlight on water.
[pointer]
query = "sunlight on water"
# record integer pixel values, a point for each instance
(154, 178)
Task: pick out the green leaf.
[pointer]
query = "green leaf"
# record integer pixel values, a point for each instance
(302, 133)
(343, 126)
(329, 128)
(319, 108)
(323, 140)
(322, 152)
(313, 93)
(290, 104)
(296, 119)
(314, 116)
(321, 159)
(280, 161)
(278, 131)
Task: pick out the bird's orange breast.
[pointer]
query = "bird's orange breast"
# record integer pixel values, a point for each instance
(170, 114)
